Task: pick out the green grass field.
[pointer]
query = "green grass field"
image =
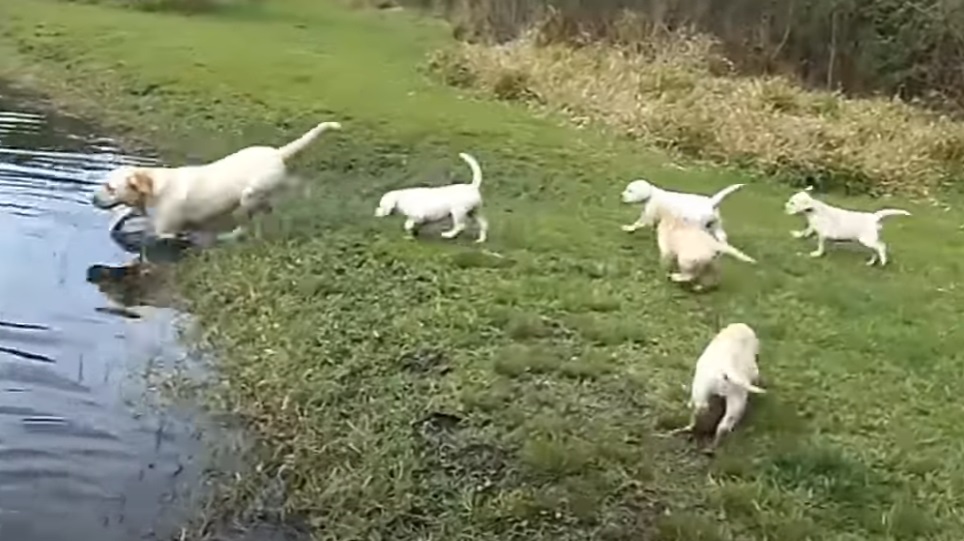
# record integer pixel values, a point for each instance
(429, 390)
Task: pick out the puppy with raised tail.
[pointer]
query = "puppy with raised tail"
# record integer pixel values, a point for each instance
(213, 197)
(837, 224)
(691, 250)
(728, 369)
(425, 204)
(700, 209)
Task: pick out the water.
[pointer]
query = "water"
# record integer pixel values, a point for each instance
(82, 455)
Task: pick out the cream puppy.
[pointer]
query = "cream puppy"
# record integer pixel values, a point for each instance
(727, 368)
(216, 196)
(701, 209)
(837, 224)
(692, 250)
(424, 204)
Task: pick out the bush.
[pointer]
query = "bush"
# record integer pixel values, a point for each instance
(175, 6)
(891, 47)
(678, 91)
(180, 6)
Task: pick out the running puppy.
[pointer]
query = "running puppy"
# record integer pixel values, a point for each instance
(213, 197)
(701, 209)
(692, 250)
(727, 368)
(837, 224)
(424, 204)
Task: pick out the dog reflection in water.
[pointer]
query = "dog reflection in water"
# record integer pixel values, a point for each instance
(135, 284)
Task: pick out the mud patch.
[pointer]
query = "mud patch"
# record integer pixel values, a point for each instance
(425, 361)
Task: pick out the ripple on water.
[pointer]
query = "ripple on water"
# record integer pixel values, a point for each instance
(75, 461)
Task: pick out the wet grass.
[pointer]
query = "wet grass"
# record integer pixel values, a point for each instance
(430, 390)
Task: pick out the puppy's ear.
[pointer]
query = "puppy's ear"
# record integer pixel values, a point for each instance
(141, 182)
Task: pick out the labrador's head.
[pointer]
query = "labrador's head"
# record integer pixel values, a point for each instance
(799, 203)
(131, 186)
(637, 191)
(387, 204)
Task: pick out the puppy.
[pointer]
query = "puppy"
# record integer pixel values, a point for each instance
(425, 204)
(700, 209)
(215, 196)
(727, 368)
(691, 249)
(832, 223)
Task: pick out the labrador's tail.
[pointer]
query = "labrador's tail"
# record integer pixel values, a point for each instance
(884, 213)
(474, 166)
(719, 196)
(729, 249)
(300, 143)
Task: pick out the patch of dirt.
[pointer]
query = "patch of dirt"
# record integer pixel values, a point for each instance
(423, 361)
(447, 449)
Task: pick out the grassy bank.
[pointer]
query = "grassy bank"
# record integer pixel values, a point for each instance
(428, 390)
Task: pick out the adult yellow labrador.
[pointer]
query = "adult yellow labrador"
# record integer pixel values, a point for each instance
(213, 197)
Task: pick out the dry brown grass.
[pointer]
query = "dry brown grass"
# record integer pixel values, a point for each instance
(675, 90)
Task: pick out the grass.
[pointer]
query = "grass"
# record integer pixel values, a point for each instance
(677, 91)
(430, 390)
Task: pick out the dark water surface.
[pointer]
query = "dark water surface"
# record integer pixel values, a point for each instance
(83, 456)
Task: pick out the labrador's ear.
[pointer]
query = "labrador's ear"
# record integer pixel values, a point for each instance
(141, 182)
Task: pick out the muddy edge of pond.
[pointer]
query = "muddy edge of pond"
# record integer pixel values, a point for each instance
(236, 502)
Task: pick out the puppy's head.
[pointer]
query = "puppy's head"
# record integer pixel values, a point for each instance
(131, 186)
(738, 331)
(637, 191)
(799, 203)
(387, 204)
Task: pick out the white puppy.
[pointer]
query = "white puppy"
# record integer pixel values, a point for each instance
(727, 368)
(701, 209)
(691, 249)
(424, 204)
(215, 196)
(837, 224)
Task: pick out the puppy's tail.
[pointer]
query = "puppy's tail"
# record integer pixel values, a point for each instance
(474, 166)
(727, 248)
(300, 143)
(719, 196)
(738, 379)
(884, 213)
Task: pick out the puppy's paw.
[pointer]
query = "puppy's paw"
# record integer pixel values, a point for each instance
(628, 228)
(816, 253)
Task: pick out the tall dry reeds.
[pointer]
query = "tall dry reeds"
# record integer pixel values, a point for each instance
(677, 90)
(891, 47)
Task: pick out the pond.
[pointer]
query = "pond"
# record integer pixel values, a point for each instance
(83, 456)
